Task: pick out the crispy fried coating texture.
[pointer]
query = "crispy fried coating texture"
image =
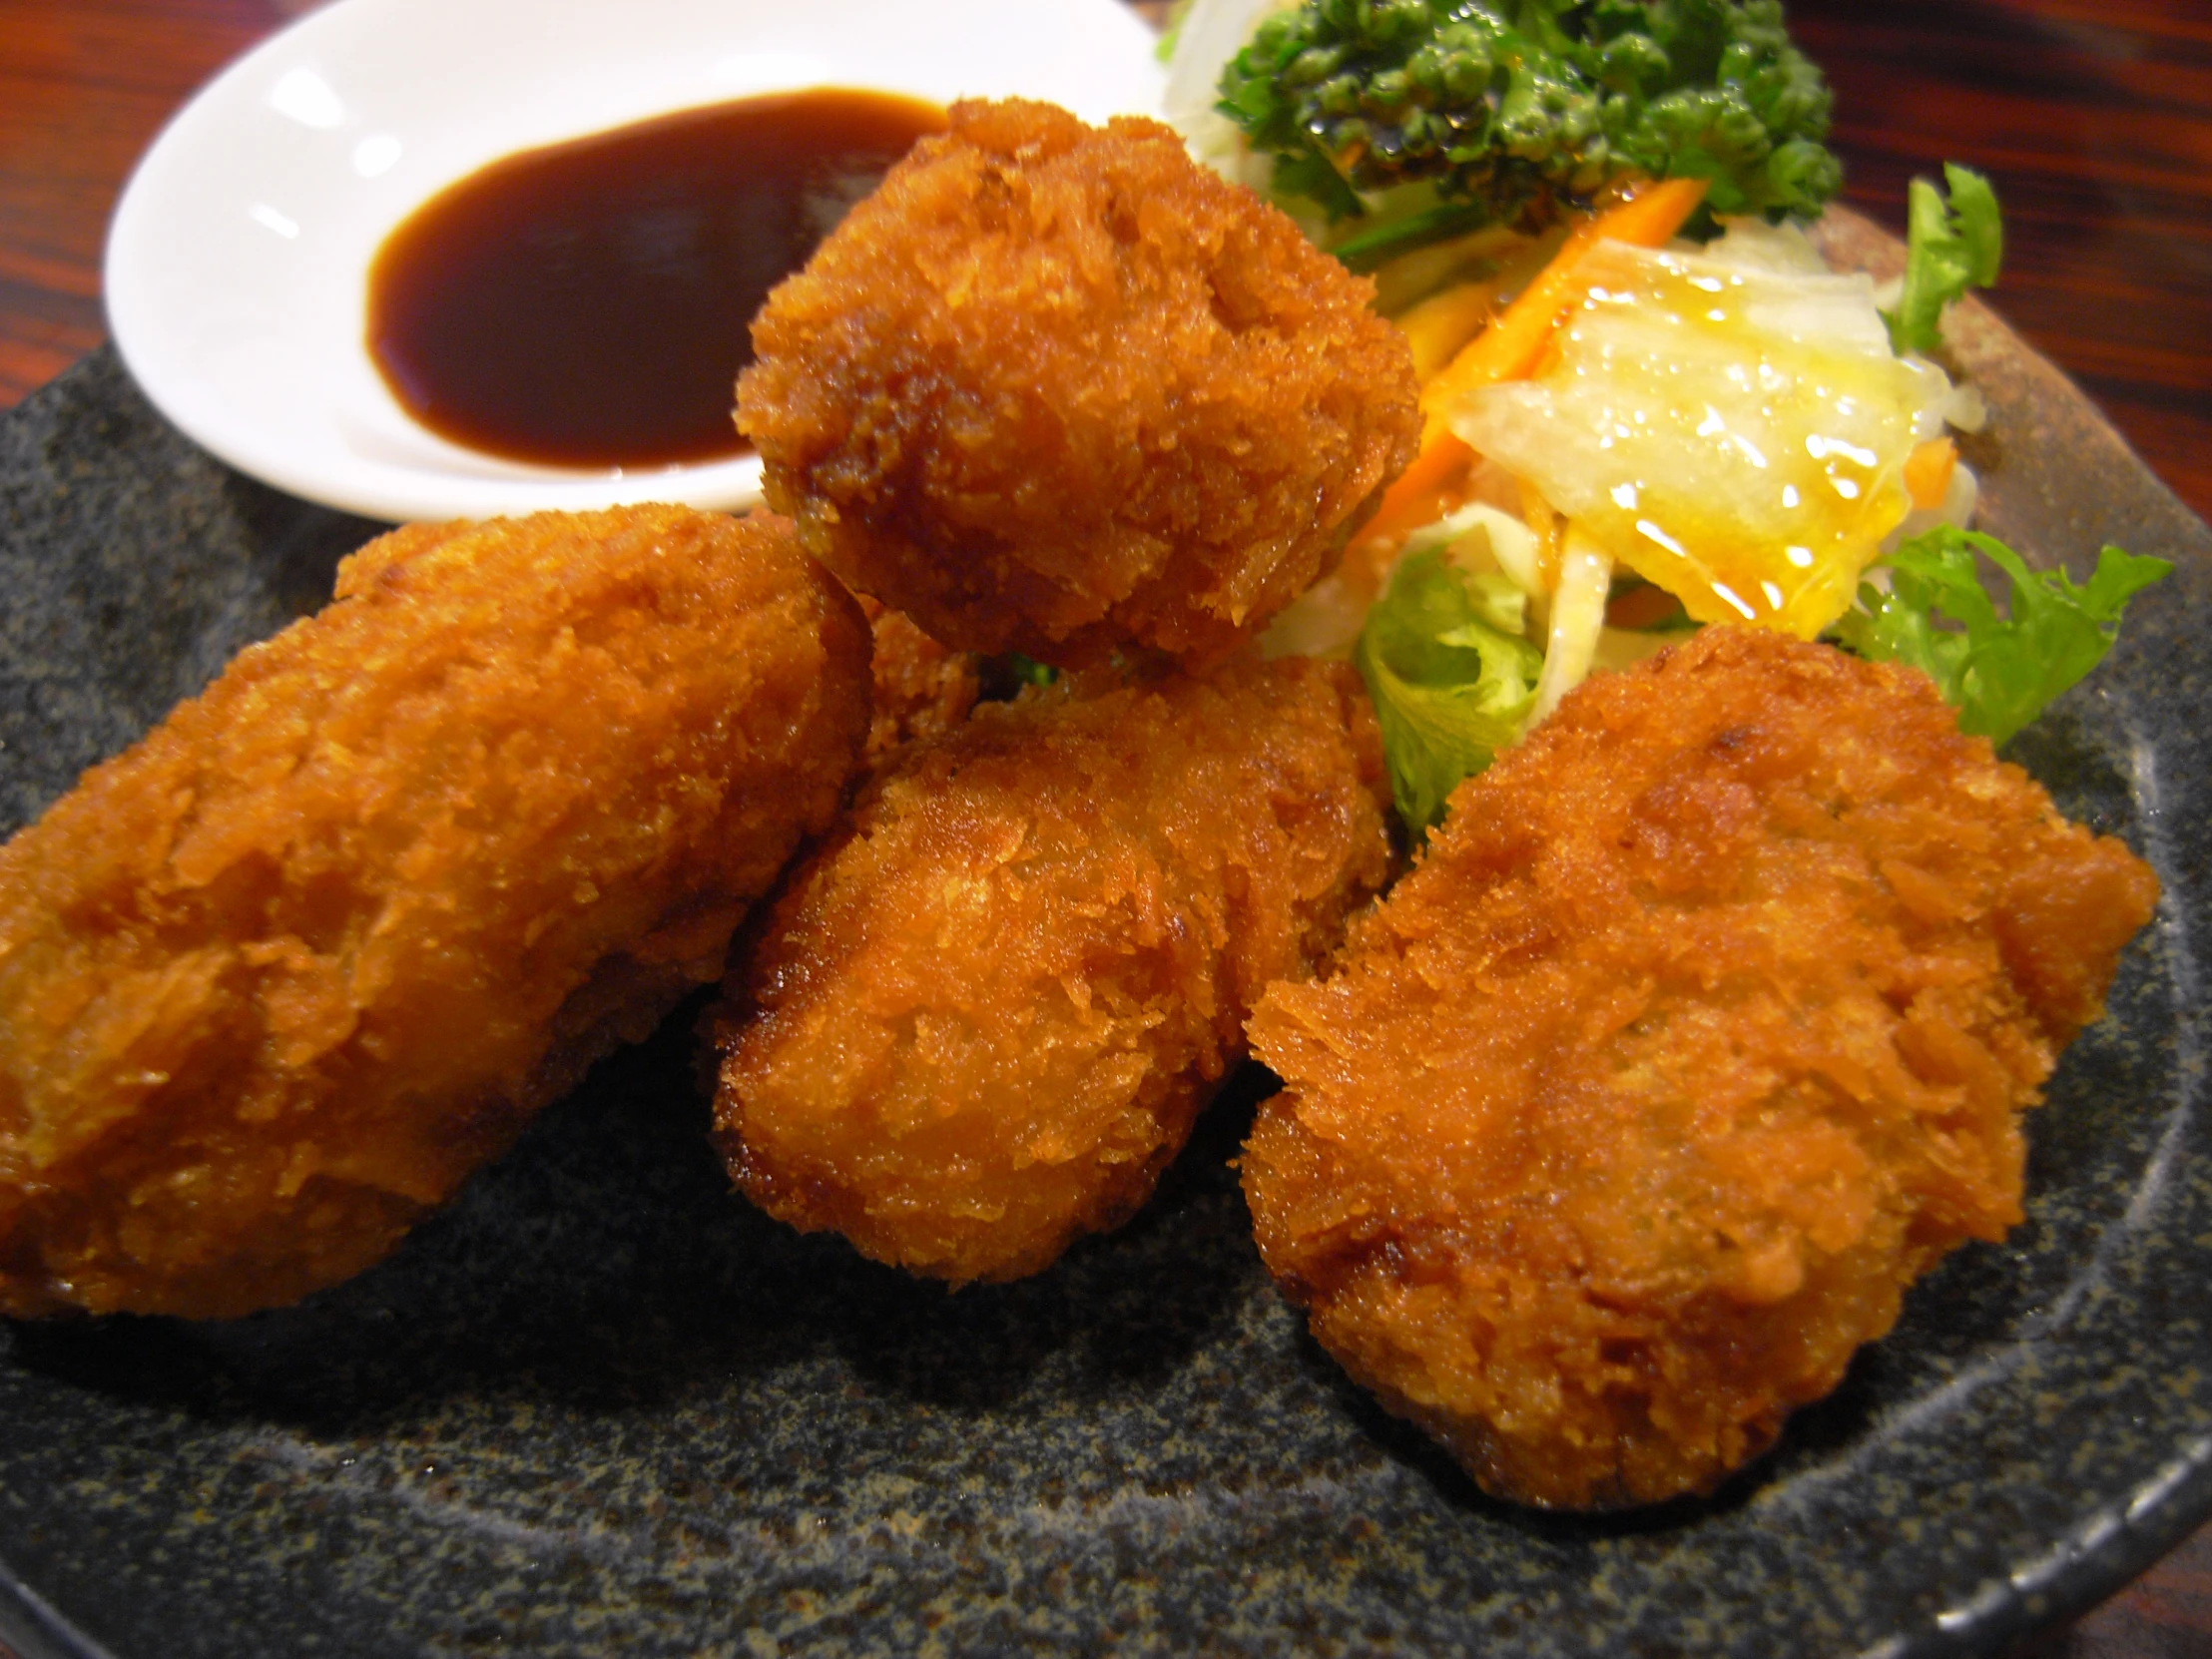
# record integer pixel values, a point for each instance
(276, 978)
(1703, 1028)
(981, 1020)
(921, 688)
(1059, 390)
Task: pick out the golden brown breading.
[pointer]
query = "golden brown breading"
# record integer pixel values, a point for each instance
(1703, 1027)
(1056, 389)
(982, 1018)
(921, 688)
(276, 979)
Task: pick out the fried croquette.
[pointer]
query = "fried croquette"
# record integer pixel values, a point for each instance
(1703, 1027)
(980, 1020)
(921, 688)
(1059, 390)
(276, 978)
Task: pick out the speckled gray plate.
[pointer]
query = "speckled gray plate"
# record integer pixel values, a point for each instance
(601, 1405)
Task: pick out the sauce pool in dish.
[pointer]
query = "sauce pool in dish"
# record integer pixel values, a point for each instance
(587, 303)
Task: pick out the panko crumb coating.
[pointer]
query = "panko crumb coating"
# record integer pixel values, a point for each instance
(921, 688)
(276, 978)
(1703, 1027)
(981, 1020)
(1057, 389)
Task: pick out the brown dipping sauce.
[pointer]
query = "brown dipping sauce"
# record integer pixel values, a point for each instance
(587, 304)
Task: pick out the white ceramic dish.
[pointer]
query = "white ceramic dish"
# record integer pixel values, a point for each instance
(237, 265)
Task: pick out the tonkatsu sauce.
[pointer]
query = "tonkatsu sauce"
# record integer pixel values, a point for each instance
(587, 304)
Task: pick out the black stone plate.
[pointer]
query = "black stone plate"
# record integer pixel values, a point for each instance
(602, 1405)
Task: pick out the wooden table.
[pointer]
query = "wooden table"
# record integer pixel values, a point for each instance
(2095, 118)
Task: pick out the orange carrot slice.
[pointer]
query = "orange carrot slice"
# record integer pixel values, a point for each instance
(1422, 493)
(1511, 347)
(1928, 472)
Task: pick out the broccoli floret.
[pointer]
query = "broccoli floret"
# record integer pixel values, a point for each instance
(1505, 108)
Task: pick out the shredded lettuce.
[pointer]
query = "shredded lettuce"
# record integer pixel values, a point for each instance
(1454, 680)
(1451, 685)
(1171, 30)
(1999, 671)
(1949, 248)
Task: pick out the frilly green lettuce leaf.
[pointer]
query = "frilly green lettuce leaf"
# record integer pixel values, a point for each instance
(1949, 248)
(1999, 671)
(1451, 685)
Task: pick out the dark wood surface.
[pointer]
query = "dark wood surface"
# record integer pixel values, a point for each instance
(2093, 116)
